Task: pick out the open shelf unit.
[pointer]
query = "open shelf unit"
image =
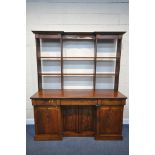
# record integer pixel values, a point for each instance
(78, 60)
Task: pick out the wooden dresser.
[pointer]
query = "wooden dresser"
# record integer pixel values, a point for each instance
(93, 109)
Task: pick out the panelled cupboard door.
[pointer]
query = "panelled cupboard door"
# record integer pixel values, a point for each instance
(78, 120)
(47, 123)
(109, 122)
(70, 120)
(87, 120)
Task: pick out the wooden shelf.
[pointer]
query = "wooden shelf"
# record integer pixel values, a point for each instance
(50, 74)
(79, 58)
(77, 74)
(105, 74)
(66, 74)
(48, 57)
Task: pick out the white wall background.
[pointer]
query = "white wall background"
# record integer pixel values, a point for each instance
(75, 15)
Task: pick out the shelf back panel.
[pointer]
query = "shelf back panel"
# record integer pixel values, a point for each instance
(76, 82)
(51, 66)
(78, 67)
(106, 66)
(105, 82)
(49, 82)
(107, 48)
(50, 48)
(78, 48)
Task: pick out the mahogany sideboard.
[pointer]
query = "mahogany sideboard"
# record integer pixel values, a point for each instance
(78, 80)
(60, 113)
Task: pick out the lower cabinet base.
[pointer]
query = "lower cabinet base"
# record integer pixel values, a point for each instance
(86, 134)
(45, 137)
(109, 137)
(103, 121)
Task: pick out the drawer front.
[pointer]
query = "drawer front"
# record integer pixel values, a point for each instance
(78, 102)
(53, 102)
(111, 102)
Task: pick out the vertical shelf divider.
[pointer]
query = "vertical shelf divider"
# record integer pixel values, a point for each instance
(62, 79)
(95, 54)
(38, 63)
(117, 68)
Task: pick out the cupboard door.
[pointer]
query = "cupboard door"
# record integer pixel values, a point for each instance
(41, 120)
(70, 120)
(86, 120)
(109, 122)
(47, 123)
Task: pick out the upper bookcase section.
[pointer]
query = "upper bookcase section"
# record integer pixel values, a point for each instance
(78, 60)
(77, 35)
